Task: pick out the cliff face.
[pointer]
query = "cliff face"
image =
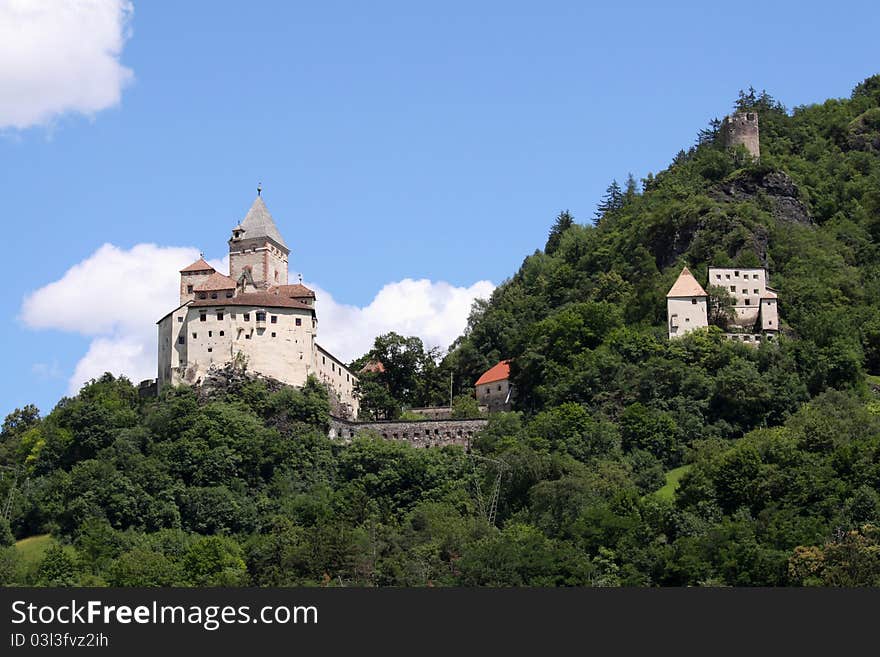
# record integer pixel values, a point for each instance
(776, 187)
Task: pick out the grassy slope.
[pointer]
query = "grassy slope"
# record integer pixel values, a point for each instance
(33, 548)
(672, 479)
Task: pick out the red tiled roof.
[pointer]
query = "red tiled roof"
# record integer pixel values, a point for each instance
(295, 291)
(216, 281)
(499, 372)
(373, 366)
(686, 286)
(265, 299)
(198, 265)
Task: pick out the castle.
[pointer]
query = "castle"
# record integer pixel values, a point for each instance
(251, 318)
(742, 129)
(755, 312)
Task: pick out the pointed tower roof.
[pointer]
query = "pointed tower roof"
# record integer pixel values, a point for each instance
(198, 265)
(259, 223)
(686, 286)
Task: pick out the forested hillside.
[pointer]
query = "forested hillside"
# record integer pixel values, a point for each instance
(631, 460)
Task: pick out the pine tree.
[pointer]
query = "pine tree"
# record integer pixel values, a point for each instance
(563, 222)
(632, 188)
(710, 134)
(613, 200)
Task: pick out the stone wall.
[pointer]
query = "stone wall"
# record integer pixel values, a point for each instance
(422, 433)
(742, 128)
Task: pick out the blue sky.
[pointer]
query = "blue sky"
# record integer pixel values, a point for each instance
(394, 141)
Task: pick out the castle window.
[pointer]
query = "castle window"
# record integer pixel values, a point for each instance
(210, 334)
(736, 273)
(273, 334)
(727, 276)
(694, 302)
(769, 322)
(203, 317)
(181, 339)
(274, 319)
(323, 360)
(261, 316)
(222, 334)
(755, 291)
(213, 295)
(219, 316)
(247, 336)
(276, 276)
(180, 320)
(733, 288)
(195, 335)
(189, 289)
(202, 295)
(748, 302)
(247, 317)
(210, 349)
(687, 319)
(228, 294)
(299, 321)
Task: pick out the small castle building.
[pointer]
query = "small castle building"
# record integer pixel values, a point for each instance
(755, 310)
(251, 317)
(493, 388)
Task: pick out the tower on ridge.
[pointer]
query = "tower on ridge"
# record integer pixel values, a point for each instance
(742, 128)
(256, 245)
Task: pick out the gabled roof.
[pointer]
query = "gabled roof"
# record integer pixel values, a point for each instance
(499, 372)
(198, 265)
(259, 223)
(216, 281)
(686, 286)
(769, 294)
(295, 291)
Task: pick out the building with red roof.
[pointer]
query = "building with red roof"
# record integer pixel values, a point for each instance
(493, 388)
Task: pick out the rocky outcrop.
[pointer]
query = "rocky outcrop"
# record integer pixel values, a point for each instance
(776, 186)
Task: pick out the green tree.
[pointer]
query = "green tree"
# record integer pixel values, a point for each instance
(563, 222)
(146, 568)
(215, 561)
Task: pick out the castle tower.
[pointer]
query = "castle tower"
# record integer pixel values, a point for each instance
(256, 245)
(742, 128)
(193, 276)
(686, 305)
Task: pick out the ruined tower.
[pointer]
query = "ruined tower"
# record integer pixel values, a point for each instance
(742, 128)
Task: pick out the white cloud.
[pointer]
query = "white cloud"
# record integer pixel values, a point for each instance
(60, 56)
(115, 296)
(434, 311)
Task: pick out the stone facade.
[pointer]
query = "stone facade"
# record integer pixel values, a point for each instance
(686, 305)
(755, 303)
(251, 318)
(423, 433)
(742, 128)
(756, 312)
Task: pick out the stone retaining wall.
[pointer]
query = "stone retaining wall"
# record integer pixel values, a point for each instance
(423, 433)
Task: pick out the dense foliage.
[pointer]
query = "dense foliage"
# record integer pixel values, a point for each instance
(777, 448)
